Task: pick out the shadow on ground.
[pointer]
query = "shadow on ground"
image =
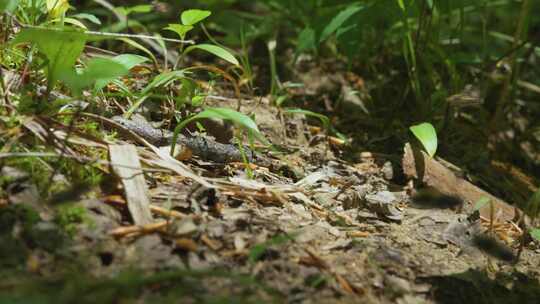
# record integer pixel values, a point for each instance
(474, 286)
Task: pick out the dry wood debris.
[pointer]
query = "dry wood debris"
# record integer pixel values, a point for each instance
(127, 167)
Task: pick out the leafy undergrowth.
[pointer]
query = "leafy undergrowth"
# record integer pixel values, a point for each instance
(265, 199)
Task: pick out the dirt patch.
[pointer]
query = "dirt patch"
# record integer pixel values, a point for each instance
(313, 229)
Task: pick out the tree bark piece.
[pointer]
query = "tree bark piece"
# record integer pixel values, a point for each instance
(126, 164)
(206, 148)
(418, 165)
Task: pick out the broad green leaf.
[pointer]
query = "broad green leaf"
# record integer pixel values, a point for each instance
(128, 61)
(535, 233)
(8, 6)
(481, 203)
(180, 29)
(96, 69)
(216, 50)
(197, 100)
(89, 17)
(192, 16)
(306, 40)
(240, 119)
(62, 48)
(338, 21)
(426, 134)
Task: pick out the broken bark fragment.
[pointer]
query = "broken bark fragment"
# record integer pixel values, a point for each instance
(205, 148)
(418, 165)
(126, 165)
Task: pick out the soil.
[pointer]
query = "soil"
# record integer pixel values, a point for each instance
(316, 229)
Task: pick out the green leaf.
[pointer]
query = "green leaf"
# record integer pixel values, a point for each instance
(197, 100)
(535, 233)
(338, 21)
(324, 120)
(61, 47)
(240, 119)
(128, 61)
(180, 29)
(163, 79)
(192, 16)
(426, 134)
(306, 40)
(71, 21)
(8, 6)
(481, 203)
(140, 47)
(89, 17)
(143, 8)
(96, 69)
(57, 8)
(216, 50)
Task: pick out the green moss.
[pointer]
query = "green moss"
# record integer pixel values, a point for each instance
(69, 217)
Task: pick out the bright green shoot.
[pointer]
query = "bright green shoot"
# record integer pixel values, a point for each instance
(426, 134)
(188, 19)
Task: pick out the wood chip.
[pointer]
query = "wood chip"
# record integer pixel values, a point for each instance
(358, 234)
(213, 244)
(418, 165)
(136, 230)
(186, 244)
(118, 200)
(127, 166)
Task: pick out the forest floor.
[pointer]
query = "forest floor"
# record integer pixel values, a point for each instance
(312, 227)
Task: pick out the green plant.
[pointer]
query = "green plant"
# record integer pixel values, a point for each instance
(426, 134)
(68, 217)
(188, 19)
(239, 119)
(322, 118)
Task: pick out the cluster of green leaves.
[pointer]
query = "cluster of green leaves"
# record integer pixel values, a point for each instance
(188, 20)
(62, 46)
